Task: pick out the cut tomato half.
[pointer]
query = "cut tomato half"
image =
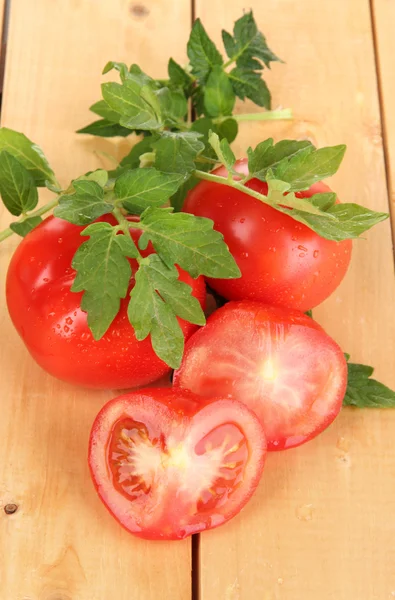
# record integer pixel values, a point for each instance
(279, 362)
(167, 466)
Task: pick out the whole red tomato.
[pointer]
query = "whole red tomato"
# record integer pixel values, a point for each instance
(48, 317)
(282, 262)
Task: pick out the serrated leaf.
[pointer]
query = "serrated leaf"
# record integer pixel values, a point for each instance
(364, 392)
(17, 187)
(132, 160)
(229, 44)
(28, 154)
(100, 176)
(219, 98)
(188, 241)
(105, 128)
(223, 151)
(102, 109)
(22, 228)
(179, 78)
(276, 191)
(103, 273)
(139, 188)
(202, 51)
(268, 156)
(85, 205)
(249, 84)
(227, 129)
(138, 75)
(176, 152)
(309, 166)
(118, 66)
(134, 102)
(173, 105)
(249, 44)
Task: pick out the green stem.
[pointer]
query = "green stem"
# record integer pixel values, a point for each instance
(269, 115)
(237, 185)
(205, 159)
(36, 213)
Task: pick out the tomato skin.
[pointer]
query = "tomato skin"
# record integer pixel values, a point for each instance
(167, 484)
(48, 317)
(279, 362)
(282, 262)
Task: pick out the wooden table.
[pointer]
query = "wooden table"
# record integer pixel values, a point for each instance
(322, 524)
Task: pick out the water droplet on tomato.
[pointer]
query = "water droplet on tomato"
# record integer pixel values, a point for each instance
(58, 326)
(66, 329)
(85, 336)
(69, 321)
(60, 240)
(302, 254)
(51, 314)
(300, 247)
(316, 253)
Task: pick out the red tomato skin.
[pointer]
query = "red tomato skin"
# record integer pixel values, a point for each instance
(282, 262)
(180, 408)
(283, 318)
(48, 317)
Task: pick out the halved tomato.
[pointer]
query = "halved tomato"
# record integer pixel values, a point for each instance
(168, 465)
(279, 362)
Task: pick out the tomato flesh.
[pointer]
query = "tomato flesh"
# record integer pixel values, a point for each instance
(280, 363)
(282, 261)
(167, 465)
(48, 317)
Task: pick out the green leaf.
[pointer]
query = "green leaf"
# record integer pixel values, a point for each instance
(100, 176)
(103, 273)
(223, 151)
(202, 52)
(309, 166)
(28, 154)
(248, 46)
(177, 199)
(249, 84)
(364, 392)
(309, 313)
(132, 160)
(102, 109)
(188, 241)
(176, 152)
(22, 228)
(136, 104)
(85, 205)
(140, 188)
(105, 128)
(276, 191)
(179, 78)
(150, 314)
(120, 67)
(17, 187)
(219, 98)
(173, 104)
(227, 129)
(268, 156)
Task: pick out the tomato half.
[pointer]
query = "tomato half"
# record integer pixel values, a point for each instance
(280, 363)
(167, 466)
(48, 317)
(282, 262)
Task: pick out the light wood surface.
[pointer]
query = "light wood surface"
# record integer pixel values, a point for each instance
(383, 13)
(322, 523)
(61, 544)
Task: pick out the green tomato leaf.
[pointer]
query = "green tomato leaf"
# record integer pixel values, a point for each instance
(276, 191)
(248, 47)
(176, 152)
(188, 241)
(28, 154)
(219, 98)
(223, 151)
(105, 128)
(22, 228)
(100, 176)
(227, 129)
(118, 66)
(249, 84)
(268, 156)
(202, 52)
(177, 199)
(102, 109)
(132, 160)
(309, 166)
(173, 104)
(85, 205)
(17, 188)
(179, 78)
(364, 392)
(103, 273)
(139, 188)
(136, 103)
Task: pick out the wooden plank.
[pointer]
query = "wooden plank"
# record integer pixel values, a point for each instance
(383, 22)
(61, 543)
(2, 42)
(321, 524)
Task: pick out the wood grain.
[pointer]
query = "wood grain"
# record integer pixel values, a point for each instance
(61, 544)
(322, 523)
(383, 12)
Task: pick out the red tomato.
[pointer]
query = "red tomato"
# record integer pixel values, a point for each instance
(167, 465)
(282, 262)
(280, 363)
(48, 317)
